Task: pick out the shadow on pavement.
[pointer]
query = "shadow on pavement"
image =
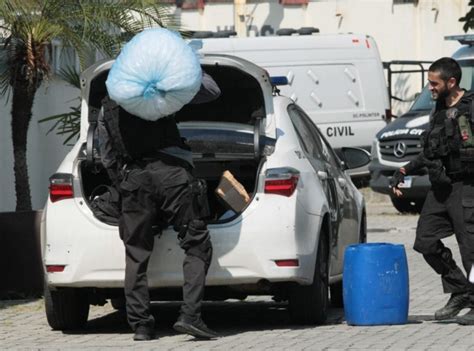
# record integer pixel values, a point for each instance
(10, 303)
(226, 318)
(420, 318)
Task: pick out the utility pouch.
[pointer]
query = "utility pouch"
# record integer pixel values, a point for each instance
(468, 206)
(465, 130)
(448, 127)
(437, 174)
(437, 141)
(466, 156)
(200, 200)
(453, 137)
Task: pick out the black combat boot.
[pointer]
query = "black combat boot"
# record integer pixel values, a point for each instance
(467, 319)
(144, 333)
(194, 327)
(456, 303)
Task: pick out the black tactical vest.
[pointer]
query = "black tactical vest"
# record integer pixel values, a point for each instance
(142, 138)
(450, 135)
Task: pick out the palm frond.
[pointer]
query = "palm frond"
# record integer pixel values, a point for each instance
(86, 26)
(65, 123)
(71, 76)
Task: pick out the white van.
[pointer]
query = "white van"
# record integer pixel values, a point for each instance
(338, 79)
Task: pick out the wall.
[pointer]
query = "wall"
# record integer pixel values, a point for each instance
(45, 152)
(402, 31)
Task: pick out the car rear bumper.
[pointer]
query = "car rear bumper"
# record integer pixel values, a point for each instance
(244, 250)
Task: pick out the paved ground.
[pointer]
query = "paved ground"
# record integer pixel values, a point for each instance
(262, 325)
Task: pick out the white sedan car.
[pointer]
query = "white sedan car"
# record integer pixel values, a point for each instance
(287, 242)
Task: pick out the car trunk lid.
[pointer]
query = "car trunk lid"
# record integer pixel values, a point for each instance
(246, 99)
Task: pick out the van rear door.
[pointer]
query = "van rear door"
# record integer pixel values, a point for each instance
(338, 79)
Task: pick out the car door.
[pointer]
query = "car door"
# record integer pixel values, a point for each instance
(344, 210)
(314, 149)
(348, 226)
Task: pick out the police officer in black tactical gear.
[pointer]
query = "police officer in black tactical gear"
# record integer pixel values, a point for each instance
(151, 165)
(448, 154)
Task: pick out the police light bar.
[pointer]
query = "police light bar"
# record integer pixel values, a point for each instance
(279, 80)
(463, 38)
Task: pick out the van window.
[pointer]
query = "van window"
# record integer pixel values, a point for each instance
(424, 101)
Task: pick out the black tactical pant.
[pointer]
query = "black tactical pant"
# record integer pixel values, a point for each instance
(165, 193)
(448, 209)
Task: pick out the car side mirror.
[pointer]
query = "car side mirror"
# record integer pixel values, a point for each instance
(354, 157)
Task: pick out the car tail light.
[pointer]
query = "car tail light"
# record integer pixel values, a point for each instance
(60, 187)
(287, 263)
(281, 181)
(55, 268)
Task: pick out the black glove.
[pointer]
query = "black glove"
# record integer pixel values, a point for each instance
(397, 178)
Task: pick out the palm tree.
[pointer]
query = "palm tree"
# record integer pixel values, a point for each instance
(468, 18)
(30, 26)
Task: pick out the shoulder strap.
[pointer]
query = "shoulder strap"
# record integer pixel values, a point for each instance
(111, 112)
(432, 112)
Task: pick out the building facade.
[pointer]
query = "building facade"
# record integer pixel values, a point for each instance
(403, 30)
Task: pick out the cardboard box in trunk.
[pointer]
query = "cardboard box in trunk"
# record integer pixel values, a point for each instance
(232, 193)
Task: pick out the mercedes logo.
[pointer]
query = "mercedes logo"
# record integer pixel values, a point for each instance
(400, 149)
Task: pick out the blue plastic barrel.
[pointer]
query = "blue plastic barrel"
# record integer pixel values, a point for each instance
(375, 284)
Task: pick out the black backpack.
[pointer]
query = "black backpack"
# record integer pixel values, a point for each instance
(105, 204)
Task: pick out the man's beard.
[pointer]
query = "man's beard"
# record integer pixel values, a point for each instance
(442, 95)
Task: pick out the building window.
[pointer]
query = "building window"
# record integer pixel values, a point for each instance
(190, 4)
(415, 2)
(294, 2)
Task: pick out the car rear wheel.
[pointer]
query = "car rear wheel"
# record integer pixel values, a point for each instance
(407, 205)
(308, 304)
(66, 309)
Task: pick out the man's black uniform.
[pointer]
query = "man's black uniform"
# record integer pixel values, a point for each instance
(152, 167)
(449, 206)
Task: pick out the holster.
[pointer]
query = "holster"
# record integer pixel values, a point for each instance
(200, 201)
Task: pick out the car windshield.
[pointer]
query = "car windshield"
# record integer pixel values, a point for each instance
(424, 101)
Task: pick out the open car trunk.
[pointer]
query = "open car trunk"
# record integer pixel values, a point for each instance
(228, 134)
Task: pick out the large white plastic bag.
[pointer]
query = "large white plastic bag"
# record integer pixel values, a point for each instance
(155, 74)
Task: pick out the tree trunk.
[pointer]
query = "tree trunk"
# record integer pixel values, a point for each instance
(22, 105)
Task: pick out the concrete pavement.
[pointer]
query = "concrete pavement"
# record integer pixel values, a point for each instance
(261, 324)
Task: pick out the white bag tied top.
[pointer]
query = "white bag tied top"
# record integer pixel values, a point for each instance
(155, 74)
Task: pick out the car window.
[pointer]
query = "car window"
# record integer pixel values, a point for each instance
(327, 153)
(310, 144)
(424, 101)
(332, 158)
